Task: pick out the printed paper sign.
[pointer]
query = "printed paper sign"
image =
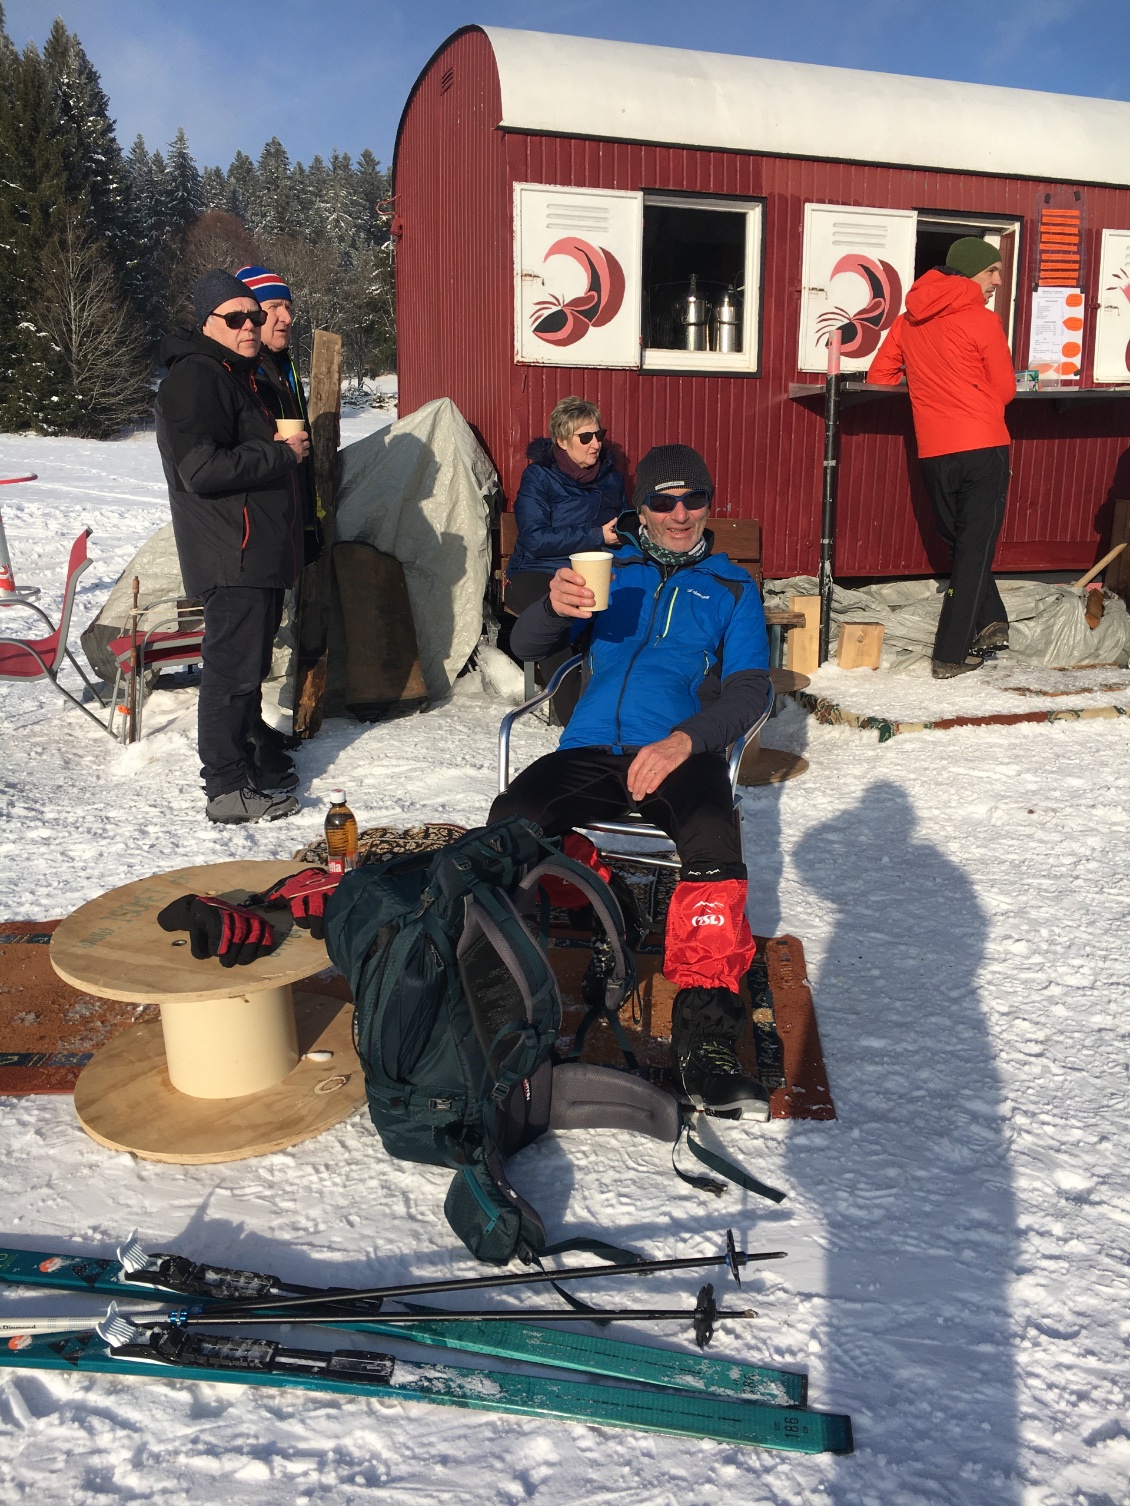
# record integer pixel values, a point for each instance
(1055, 345)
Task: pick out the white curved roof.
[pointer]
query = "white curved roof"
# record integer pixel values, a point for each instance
(623, 91)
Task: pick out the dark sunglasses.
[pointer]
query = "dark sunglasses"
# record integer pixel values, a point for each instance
(239, 317)
(666, 502)
(586, 436)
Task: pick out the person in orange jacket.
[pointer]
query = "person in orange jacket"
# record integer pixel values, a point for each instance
(958, 367)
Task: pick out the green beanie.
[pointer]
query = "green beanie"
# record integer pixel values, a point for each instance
(971, 255)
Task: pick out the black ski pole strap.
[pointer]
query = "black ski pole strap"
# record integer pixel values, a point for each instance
(722, 1166)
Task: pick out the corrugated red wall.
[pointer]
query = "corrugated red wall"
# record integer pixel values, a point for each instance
(455, 301)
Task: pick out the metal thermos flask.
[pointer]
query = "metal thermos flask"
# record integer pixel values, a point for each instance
(727, 324)
(694, 315)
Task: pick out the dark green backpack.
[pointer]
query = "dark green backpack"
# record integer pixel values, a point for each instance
(457, 1017)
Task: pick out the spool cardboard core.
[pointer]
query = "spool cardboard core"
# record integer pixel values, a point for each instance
(227, 1048)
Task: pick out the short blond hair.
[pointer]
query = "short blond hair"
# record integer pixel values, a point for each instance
(570, 414)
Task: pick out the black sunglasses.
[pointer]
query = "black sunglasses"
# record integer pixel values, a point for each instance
(667, 502)
(239, 317)
(586, 436)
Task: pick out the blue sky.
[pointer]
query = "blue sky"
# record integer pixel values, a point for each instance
(321, 74)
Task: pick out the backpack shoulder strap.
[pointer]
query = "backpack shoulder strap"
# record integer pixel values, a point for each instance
(607, 908)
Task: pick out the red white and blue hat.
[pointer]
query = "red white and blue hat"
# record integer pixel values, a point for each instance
(265, 285)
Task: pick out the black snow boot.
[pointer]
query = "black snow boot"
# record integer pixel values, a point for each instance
(706, 1024)
(271, 768)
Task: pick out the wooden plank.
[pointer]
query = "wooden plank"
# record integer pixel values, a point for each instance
(803, 649)
(316, 583)
(861, 645)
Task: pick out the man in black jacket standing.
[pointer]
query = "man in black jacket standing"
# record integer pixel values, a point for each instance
(236, 503)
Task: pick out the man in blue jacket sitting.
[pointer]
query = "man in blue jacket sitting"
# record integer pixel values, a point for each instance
(677, 669)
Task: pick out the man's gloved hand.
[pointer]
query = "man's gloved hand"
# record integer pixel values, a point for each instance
(233, 933)
(306, 893)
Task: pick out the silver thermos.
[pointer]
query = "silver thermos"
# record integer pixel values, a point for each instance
(694, 314)
(727, 323)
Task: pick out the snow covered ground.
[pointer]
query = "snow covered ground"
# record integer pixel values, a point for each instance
(958, 1238)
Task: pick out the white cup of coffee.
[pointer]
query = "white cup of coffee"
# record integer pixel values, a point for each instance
(288, 427)
(596, 567)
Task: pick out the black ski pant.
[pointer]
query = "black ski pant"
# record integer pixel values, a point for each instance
(968, 490)
(694, 805)
(240, 623)
(522, 590)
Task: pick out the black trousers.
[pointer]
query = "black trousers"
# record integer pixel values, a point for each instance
(968, 491)
(240, 623)
(694, 805)
(522, 590)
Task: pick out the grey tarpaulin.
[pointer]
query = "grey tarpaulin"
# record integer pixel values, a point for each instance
(1046, 621)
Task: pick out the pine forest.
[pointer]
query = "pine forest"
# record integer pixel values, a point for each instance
(101, 246)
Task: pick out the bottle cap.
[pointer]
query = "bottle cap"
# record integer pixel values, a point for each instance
(337, 797)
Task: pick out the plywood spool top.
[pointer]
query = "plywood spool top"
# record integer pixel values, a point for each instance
(112, 946)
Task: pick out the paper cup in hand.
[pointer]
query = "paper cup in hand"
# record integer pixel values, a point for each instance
(288, 427)
(596, 567)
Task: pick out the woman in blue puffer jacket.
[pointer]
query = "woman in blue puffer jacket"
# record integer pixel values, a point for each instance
(568, 500)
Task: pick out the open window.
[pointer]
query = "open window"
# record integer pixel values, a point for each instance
(701, 283)
(937, 233)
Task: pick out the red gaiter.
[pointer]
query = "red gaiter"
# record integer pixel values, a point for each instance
(561, 892)
(708, 942)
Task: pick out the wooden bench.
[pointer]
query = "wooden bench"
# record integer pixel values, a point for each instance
(739, 538)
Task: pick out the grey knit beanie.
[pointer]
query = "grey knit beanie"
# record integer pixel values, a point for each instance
(667, 466)
(214, 288)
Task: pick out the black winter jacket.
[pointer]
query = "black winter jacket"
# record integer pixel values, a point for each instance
(558, 516)
(234, 488)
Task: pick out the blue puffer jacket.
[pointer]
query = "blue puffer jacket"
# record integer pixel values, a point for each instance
(680, 648)
(558, 516)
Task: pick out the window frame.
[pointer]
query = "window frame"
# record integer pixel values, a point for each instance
(985, 225)
(656, 360)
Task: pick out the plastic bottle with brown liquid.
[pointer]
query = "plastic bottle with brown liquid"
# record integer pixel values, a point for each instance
(341, 835)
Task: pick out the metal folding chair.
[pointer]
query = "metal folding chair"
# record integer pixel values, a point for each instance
(42, 658)
(662, 852)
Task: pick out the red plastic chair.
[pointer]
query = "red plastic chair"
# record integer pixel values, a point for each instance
(42, 658)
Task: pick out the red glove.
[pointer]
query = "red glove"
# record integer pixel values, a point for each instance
(306, 893)
(232, 933)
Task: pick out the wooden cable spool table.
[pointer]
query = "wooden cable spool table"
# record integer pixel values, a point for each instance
(242, 1062)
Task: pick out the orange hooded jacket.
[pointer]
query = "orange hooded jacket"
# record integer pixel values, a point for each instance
(957, 363)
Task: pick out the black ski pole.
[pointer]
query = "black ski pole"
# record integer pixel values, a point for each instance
(342, 1299)
(704, 1316)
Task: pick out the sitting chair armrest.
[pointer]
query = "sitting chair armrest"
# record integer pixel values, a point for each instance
(31, 606)
(746, 738)
(506, 725)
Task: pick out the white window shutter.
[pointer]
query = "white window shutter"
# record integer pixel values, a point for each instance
(577, 276)
(856, 268)
(1112, 325)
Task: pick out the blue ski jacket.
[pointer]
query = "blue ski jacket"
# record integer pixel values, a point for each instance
(680, 648)
(558, 516)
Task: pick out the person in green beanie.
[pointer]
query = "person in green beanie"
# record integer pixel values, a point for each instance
(953, 352)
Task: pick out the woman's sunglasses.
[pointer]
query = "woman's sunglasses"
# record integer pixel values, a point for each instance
(239, 317)
(586, 436)
(667, 502)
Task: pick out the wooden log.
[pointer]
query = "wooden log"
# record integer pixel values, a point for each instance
(803, 649)
(316, 583)
(861, 645)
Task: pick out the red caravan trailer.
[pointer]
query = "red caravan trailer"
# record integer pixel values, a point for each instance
(673, 234)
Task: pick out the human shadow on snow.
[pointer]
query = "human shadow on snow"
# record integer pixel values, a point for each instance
(918, 1210)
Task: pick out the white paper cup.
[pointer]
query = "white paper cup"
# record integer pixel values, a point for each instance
(596, 567)
(288, 427)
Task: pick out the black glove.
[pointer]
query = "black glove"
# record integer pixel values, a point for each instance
(232, 933)
(306, 893)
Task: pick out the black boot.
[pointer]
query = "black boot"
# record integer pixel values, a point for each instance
(270, 767)
(706, 1024)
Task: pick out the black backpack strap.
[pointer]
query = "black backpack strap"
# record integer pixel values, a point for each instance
(721, 1165)
(605, 906)
(614, 1254)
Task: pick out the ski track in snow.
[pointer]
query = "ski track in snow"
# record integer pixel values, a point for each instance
(958, 1238)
